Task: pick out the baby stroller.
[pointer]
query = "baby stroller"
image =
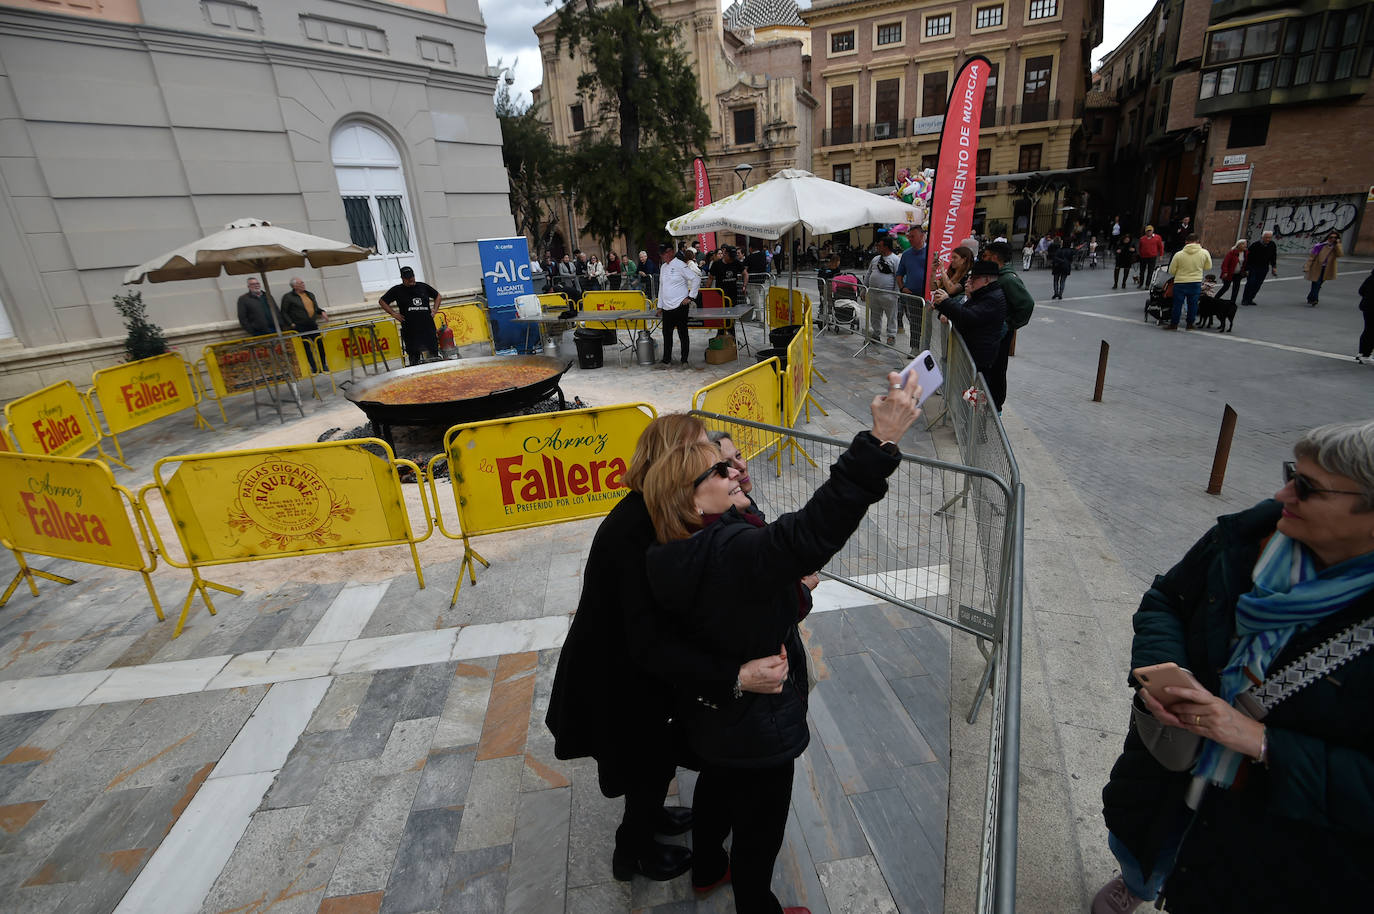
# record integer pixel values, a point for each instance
(1160, 304)
(844, 302)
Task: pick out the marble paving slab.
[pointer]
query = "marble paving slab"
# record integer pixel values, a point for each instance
(282, 665)
(394, 651)
(267, 739)
(348, 615)
(48, 693)
(155, 680)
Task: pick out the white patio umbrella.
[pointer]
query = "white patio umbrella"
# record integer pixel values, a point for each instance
(789, 199)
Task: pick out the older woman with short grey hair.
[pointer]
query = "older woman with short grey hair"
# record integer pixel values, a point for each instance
(1273, 613)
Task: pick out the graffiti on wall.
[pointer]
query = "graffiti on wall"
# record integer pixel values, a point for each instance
(1300, 222)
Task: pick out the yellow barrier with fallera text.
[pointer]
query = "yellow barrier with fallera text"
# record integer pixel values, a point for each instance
(54, 421)
(342, 347)
(70, 508)
(784, 310)
(536, 470)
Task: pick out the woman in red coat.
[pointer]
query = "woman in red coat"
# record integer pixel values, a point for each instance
(1232, 269)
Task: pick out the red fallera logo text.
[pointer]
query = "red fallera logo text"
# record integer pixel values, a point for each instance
(362, 345)
(48, 519)
(552, 478)
(53, 433)
(143, 395)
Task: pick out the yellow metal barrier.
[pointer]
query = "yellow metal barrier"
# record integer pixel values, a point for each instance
(796, 386)
(630, 301)
(530, 471)
(255, 363)
(70, 508)
(56, 421)
(267, 503)
(784, 310)
(136, 393)
(468, 321)
(362, 343)
(753, 394)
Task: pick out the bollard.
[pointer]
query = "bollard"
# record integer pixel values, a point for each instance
(1101, 371)
(1228, 430)
(1011, 350)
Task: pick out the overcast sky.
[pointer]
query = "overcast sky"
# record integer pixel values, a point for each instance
(510, 32)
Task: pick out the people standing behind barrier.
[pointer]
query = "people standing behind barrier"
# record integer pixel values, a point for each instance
(1366, 346)
(613, 271)
(1321, 264)
(1187, 268)
(1150, 248)
(727, 583)
(679, 283)
(978, 315)
(911, 282)
(1061, 267)
(629, 272)
(414, 304)
(647, 274)
(881, 280)
(300, 313)
(956, 274)
(1020, 306)
(596, 274)
(612, 696)
(1124, 251)
(568, 282)
(1272, 811)
(257, 311)
(1262, 262)
(1232, 269)
(757, 266)
(728, 273)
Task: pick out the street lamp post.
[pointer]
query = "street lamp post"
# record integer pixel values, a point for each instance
(742, 172)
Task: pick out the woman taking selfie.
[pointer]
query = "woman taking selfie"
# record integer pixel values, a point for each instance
(731, 586)
(1273, 613)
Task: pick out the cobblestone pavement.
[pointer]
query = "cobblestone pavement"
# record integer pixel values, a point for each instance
(339, 743)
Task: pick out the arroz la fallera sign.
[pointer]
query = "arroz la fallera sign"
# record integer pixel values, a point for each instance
(137, 393)
(536, 470)
(53, 421)
(67, 508)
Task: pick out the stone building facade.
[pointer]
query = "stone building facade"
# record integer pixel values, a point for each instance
(751, 80)
(130, 127)
(882, 70)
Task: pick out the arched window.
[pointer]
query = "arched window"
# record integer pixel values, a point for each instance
(376, 203)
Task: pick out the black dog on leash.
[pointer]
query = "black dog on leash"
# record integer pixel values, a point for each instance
(1224, 310)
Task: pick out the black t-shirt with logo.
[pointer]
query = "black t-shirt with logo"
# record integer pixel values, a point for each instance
(413, 302)
(726, 277)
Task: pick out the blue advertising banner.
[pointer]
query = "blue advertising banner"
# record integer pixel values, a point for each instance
(505, 276)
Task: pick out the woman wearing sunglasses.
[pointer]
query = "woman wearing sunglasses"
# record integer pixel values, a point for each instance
(611, 699)
(1273, 612)
(730, 585)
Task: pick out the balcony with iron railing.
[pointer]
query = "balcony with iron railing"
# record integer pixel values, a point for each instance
(931, 125)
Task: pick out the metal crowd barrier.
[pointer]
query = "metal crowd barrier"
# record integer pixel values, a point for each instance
(946, 543)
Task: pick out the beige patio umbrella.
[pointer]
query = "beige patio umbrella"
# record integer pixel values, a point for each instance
(247, 246)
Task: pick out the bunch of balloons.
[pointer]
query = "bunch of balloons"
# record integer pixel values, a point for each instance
(914, 189)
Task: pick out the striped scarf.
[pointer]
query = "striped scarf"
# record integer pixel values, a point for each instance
(1290, 596)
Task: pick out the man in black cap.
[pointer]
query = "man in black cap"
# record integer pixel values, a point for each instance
(413, 304)
(979, 315)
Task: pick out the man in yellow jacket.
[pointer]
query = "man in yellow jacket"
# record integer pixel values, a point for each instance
(1187, 267)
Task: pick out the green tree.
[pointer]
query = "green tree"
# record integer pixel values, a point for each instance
(629, 176)
(533, 162)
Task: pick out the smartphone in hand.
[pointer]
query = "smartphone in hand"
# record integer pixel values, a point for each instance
(1155, 678)
(926, 372)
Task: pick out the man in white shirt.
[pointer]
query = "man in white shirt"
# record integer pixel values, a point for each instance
(679, 282)
(881, 280)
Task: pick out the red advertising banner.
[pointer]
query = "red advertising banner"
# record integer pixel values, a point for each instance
(956, 172)
(707, 240)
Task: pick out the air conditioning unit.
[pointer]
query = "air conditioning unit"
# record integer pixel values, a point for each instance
(882, 131)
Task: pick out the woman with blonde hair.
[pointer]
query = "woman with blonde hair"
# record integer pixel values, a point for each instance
(729, 584)
(611, 699)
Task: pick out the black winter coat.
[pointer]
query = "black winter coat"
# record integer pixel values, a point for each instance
(611, 698)
(979, 318)
(1295, 835)
(730, 589)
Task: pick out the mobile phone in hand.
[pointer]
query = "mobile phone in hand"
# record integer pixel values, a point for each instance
(1155, 678)
(926, 371)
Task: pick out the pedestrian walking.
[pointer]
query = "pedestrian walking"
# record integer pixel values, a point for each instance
(1061, 267)
(1187, 267)
(1150, 248)
(1367, 308)
(881, 280)
(1232, 268)
(1125, 252)
(1321, 265)
(1263, 261)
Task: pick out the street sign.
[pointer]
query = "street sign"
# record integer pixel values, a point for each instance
(1234, 174)
(1236, 159)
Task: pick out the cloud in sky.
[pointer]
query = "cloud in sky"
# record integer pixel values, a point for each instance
(510, 32)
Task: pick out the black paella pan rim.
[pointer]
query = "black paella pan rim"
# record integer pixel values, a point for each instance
(465, 409)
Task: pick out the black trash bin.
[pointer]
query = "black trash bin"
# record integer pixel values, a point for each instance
(764, 355)
(780, 337)
(588, 343)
